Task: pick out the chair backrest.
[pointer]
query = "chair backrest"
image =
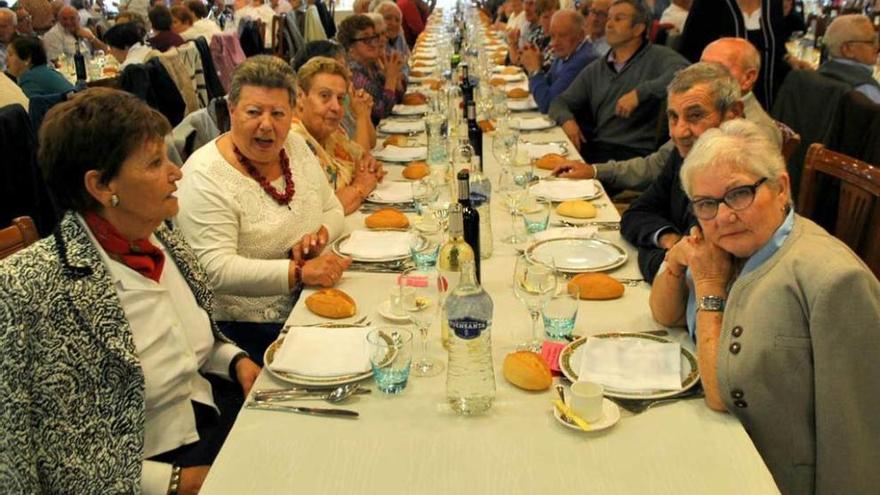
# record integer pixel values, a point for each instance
(858, 212)
(790, 140)
(21, 234)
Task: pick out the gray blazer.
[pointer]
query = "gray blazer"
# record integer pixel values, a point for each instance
(72, 417)
(799, 364)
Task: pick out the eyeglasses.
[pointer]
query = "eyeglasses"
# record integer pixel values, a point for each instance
(370, 40)
(873, 42)
(737, 199)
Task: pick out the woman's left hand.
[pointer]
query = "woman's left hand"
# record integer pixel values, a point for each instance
(246, 372)
(710, 265)
(368, 165)
(310, 245)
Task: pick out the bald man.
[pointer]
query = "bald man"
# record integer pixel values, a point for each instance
(62, 38)
(852, 45)
(743, 62)
(572, 53)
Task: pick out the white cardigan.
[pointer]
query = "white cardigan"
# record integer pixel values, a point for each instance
(242, 236)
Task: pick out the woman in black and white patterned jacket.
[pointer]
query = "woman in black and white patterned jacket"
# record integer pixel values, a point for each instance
(114, 378)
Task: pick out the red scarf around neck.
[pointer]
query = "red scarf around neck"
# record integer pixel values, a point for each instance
(140, 255)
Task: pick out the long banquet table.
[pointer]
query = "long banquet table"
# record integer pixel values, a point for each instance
(414, 443)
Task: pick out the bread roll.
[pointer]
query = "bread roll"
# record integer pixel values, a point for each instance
(596, 286)
(331, 303)
(486, 125)
(510, 71)
(497, 81)
(396, 140)
(387, 218)
(518, 93)
(549, 161)
(527, 370)
(576, 209)
(435, 84)
(420, 63)
(416, 170)
(414, 99)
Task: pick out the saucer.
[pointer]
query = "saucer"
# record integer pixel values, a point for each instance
(610, 416)
(385, 311)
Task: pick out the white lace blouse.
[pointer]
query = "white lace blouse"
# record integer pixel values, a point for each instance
(242, 236)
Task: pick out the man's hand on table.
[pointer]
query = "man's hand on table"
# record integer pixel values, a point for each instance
(191, 479)
(246, 372)
(573, 131)
(626, 104)
(572, 169)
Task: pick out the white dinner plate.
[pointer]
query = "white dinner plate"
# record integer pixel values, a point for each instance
(522, 104)
(335, 247)
(570, 364)
(385, 311)
(410, 109)
(319, 381)
(578, 255)
(610, 417)
(390, 126)
(559, 196)
(531, 123)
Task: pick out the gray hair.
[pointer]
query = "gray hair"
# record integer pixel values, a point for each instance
(263, 71)
(724, 87)
(10, 13)
(842, 29)
(642, 16)
(378, 20)
(738, 143)
(574, 18)
(378, 7)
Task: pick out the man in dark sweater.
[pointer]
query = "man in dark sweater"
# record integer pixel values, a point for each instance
(619, 96)
(701, 97)
(853, 44)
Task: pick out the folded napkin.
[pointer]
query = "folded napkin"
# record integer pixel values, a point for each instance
(402, 126)
(501, 68)
(393, 153)
(563, 190)
(531, 123)
(537, 150)
(509, 77)
(585, 232)
(409, 109)
(522, 103)
(631, 364)
(370, 245)
(313, 351)
(390, 191)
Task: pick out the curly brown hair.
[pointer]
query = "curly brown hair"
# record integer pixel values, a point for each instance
(350, 27)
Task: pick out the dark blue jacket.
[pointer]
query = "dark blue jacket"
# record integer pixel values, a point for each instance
(545, 86)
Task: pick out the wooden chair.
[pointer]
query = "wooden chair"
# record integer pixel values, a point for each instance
(858, 211)
(791, 140)
(21, 234)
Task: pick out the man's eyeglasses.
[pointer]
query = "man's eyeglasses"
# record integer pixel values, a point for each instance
(873, 42)
(737, 199)
(370, 40)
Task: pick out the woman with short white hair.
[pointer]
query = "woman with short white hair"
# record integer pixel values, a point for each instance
(785, 317)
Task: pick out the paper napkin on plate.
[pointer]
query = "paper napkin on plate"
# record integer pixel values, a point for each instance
(631, 364)
(401, 153)
(585, 232)
(389, 191)
(522, 103)
(314, 351)
(563, 190)
(365, 244)
(531, 123)
(402, 126)
(409, 109)
(537, 150)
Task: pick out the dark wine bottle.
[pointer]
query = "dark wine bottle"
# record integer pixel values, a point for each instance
(475, 133)
(79, 62)
(470, 217)
(467, 88)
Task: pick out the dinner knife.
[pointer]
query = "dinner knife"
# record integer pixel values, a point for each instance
(315, 411)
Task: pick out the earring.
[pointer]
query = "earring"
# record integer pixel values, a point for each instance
(114, 200)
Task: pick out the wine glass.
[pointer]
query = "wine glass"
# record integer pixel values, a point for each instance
(504, 146)
(534, 283)
(421, 293)
(512, 192)
(424, 193)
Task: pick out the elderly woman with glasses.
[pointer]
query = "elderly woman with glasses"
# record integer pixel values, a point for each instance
(113, 373)
(386, 84)
(321, 90)
(785, 317)
(257, 209)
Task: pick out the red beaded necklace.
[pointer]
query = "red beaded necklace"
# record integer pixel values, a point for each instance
(289, 190)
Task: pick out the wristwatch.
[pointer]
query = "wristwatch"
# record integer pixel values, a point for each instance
(711, 303)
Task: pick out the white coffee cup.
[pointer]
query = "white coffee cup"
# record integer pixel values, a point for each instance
(586, 400)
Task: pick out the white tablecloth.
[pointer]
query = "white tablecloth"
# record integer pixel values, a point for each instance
(415, 444)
